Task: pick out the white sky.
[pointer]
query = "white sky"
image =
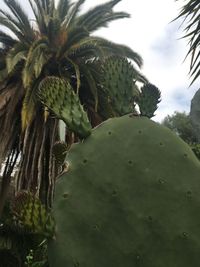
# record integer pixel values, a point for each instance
(150, 33)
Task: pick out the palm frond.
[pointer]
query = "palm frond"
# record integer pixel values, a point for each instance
(36, 59)
(73, 12)
(17, 54)
(63, 8)
(53, 30)
(91, 83)
(78, 74)
(100, 21)
(85, 50)
(40, 15)
(190, 12)
(12, 19)
(6, 40)
(108, 48)
(74, 37)
(99, 16)
(22, 17)
(29, 107)
(10, 26)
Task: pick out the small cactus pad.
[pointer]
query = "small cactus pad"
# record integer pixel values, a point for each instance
(131, 198)
(32, 215)
(58, 95)
(148, 100)
(119, 77)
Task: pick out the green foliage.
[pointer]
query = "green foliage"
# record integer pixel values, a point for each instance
(196, 149)
(58, 95)
(195, 114)
(25, 228)
(130, 198)
(181, 124)
(16, 242)
(37, 257)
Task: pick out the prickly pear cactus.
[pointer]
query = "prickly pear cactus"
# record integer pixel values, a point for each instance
(119, 77)
(131, 198)
(58, 95)
(32, 215)
(148, 100)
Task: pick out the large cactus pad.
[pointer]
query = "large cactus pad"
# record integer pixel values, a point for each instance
(131, 198)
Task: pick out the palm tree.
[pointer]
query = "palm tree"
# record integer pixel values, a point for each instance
(190, 12)
(59, 42)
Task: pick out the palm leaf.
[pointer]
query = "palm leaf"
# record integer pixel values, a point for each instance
(17, 54)
(10, 26)
(36, 59)
(106, 48)
(91, 83)
(6, 40)
(29, 106)
(22, 17)
(99, 16)
(78, 74)
(96, 23)
(63, 8)
(72, 13)
(191, 14)
(74, 37)
(40, 15)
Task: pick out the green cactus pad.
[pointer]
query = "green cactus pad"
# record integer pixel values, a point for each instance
(119, 77)
(58, 95)
(131, 198)
(148, 100)
(32, 215)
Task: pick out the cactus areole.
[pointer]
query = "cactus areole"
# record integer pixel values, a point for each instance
(130, 198)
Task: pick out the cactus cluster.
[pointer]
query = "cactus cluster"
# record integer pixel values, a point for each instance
(30, 214)
(130, 198)
(58, 95)
(119, 85)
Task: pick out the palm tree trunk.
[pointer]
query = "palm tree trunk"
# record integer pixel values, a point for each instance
(6, 178)
(37, 170)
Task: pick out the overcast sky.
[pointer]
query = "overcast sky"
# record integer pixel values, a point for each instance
(150, 33)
